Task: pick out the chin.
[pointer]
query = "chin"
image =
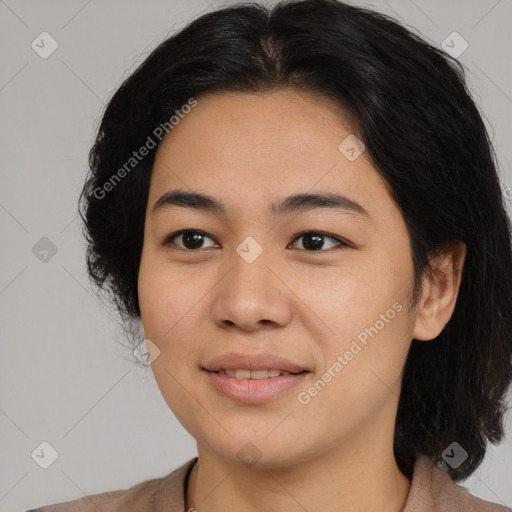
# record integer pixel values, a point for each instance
(259, 452)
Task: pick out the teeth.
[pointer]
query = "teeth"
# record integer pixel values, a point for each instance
(254, 374)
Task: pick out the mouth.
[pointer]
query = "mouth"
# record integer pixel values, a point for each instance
(253, 387)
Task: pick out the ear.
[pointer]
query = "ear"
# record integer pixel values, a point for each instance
(440, 289)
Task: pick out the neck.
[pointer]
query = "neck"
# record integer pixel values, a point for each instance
(364, 477)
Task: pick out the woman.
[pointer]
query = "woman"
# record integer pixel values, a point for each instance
(301, 206)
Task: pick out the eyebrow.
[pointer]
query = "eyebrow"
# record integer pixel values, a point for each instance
(292, 204)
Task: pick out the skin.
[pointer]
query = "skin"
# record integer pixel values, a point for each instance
(335, 452)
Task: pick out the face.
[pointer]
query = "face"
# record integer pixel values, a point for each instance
(325, 283)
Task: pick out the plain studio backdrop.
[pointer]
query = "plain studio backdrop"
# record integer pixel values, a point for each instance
(66, 379)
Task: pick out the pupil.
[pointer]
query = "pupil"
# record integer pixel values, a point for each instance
(313, 242)
(192, 240)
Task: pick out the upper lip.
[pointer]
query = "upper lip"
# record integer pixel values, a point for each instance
(261, 361)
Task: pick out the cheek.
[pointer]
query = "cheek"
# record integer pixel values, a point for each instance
(362, 367)
(366, 311)
(167, 299)
(350, 298)
(172, 312)
(168, 316)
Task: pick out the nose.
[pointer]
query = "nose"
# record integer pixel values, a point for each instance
(252, 296)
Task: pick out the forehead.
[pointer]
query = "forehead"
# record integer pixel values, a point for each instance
(250, 148)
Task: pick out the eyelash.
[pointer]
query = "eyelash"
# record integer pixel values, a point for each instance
(342, 244)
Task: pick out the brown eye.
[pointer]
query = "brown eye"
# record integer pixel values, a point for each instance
(315, 240)
(190, 240)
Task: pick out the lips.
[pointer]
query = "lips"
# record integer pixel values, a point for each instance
(254, 391)
(253, 362)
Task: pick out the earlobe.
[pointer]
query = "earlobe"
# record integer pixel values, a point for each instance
(440, 289)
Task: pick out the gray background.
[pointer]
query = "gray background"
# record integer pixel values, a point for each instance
(65, 376)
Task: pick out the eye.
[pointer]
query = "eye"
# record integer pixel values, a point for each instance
(313, 240)
(191, 239)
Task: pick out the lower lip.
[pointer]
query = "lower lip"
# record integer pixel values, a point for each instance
(254, 391)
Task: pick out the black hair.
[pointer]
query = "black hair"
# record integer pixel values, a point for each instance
(410, 105)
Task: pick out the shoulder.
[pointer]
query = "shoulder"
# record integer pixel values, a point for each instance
(433, 490)
(142, 496)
